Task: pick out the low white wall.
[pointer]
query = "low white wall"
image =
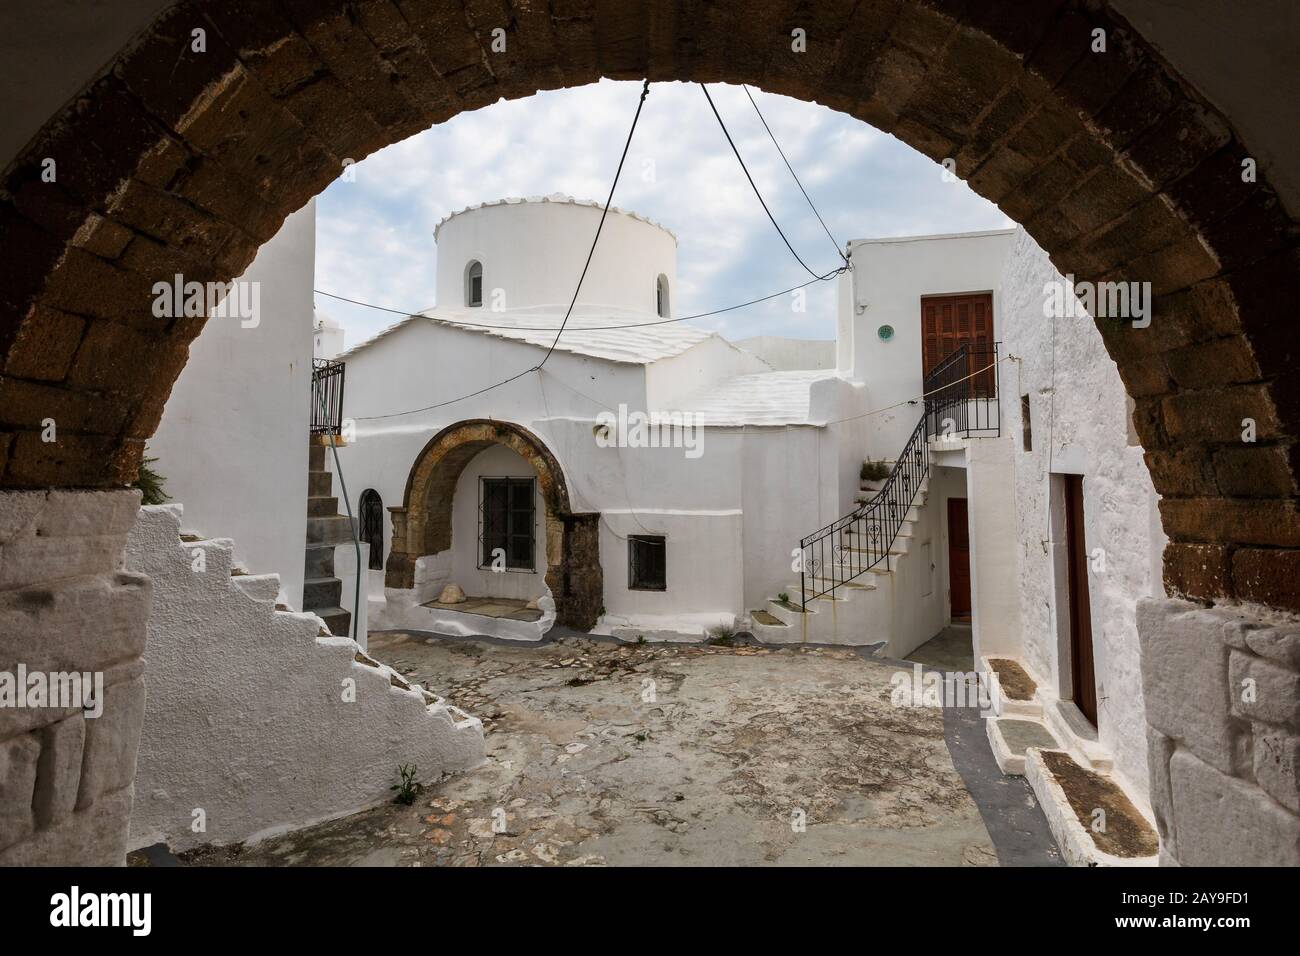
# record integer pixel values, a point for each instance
(232, 443)
(791, 354)
(996, 581)
(1080, 426)
(248, 724)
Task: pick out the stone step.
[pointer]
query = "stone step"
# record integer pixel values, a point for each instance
(334, 529)
(315, 457)
(322, 507)
(763, 617)
(857, 584)
(336, 619)
(320, 483)
(319, 561)
(321, 593)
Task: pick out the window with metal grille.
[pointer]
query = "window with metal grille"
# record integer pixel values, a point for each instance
(507, 521)
(646, 565)
(372, 526)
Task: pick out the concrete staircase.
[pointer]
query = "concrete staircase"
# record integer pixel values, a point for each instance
(322, 592)
(860, 612)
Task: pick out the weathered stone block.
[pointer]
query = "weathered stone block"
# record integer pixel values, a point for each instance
(1160, 749)
(1262, 690)
(96, 837)
(18, 759)
(58, 772)
(1223, 821)
(1185, 680)
(112, 740)
(1277, 756)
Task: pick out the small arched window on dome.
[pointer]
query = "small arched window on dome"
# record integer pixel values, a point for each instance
(474, 284)
(661, 297)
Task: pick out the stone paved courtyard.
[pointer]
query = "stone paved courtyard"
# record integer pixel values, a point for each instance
(600, 753)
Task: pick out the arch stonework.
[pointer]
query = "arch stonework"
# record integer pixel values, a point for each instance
(180, 162)
(422, 523)
(174, 162)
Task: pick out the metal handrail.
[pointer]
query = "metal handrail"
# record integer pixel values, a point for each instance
(864, 537)
(961, 392)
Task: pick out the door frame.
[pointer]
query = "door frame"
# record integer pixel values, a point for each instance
(1072, 608)
(970, 609)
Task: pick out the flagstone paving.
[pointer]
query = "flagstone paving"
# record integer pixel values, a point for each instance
(599, 753)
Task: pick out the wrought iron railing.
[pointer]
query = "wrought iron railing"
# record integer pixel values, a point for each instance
(851, 546)
(961, 393)
(326, 397)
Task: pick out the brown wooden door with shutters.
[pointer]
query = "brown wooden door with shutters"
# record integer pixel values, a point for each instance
(1083, 676)
(951, 321)
(958, 559)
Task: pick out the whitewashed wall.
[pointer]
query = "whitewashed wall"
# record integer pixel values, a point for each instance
(886, 283)
(1080, 426)
(255, 721)
(791, 354)
(233, 439)
(534, 251)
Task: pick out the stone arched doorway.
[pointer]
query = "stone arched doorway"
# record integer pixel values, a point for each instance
(422, 524)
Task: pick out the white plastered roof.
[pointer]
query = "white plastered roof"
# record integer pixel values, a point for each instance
(760, 398)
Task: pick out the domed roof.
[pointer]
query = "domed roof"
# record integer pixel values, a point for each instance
(552, 198)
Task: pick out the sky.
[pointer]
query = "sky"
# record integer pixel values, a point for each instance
(374, 234)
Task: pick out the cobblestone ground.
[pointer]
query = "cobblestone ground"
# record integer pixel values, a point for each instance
(599, 753)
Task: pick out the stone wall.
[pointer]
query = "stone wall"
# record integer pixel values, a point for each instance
(1222, 690)
(1079, 419)
(259, 721)
(67, 605)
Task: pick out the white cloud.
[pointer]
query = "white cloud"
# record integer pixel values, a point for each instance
(375, 235)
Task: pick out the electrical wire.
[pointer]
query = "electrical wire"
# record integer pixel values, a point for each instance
(811, 205)
(585, 328)
(753, 186)
(645, 91)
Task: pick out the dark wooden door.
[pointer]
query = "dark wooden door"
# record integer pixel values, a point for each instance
(1082, 672)
(958, 559)
(950, 321)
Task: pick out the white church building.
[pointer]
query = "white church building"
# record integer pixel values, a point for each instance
(954, 458)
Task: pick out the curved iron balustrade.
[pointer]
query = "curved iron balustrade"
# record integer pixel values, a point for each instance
(852, 545)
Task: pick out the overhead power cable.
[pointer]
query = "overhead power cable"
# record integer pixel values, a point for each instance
(645, 91)
(584, 328)
(753, 186)
(795, 175)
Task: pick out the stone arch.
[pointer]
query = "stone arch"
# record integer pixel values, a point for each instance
(177, 162)
(422, 523)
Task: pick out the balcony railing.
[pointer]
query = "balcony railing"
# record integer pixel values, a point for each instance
(961, 394)
(326, 397)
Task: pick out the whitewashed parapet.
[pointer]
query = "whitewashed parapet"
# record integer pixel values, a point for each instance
(258, 720)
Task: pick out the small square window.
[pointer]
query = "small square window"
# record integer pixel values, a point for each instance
(646, 563)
